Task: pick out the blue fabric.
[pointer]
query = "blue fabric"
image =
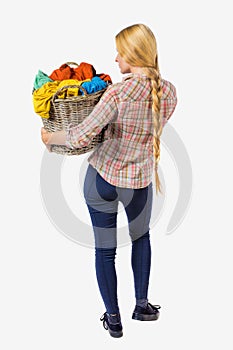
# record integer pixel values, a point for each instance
(96, 84)
(102, 201)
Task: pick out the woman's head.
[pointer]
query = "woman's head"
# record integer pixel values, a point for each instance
(137, 47)
(136, 44)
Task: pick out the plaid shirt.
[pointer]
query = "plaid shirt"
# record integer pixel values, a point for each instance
(125, 158)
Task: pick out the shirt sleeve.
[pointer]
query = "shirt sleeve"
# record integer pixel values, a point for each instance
(168, 101)
(81, 135)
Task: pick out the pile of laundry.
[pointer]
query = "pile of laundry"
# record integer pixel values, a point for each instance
(45, 86)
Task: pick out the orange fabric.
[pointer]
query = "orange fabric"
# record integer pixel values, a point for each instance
(82, 72)
(105, 77)
(62, 73)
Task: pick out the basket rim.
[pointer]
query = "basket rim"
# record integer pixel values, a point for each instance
(55, 98)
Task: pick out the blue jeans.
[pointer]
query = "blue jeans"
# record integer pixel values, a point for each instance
(102, 200)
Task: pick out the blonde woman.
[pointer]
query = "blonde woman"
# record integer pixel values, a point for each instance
(123, 166)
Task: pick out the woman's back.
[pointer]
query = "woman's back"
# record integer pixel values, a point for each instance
(126, 159)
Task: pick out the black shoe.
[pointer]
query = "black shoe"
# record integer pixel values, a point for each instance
(149, 313)
(113, 324)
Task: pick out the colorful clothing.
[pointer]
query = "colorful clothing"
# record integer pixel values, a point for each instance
(82, 72)
(96, 84)
(41, 79)
(42, 97)
(105, 77)
(126, 158)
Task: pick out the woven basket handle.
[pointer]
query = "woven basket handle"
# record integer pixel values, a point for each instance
(72, 64)
(67, 87)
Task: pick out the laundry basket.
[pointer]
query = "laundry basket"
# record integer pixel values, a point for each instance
(75, 109)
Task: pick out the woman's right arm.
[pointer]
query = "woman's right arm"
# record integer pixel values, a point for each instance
(106, 110)
(168, 101)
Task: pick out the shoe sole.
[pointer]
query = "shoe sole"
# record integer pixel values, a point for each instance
(115, 334)
(141, 317)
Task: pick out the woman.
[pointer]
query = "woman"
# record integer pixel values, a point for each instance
(121, 168)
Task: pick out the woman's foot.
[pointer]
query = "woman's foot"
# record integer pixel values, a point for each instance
(149, 313)
(112, 322)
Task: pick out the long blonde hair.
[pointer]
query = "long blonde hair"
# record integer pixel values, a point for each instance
(137, 45)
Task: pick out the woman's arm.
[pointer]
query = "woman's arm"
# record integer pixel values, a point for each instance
(81, 135)
(53, 138)
(168, 101)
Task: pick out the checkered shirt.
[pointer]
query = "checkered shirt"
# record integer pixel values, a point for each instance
(125, 158)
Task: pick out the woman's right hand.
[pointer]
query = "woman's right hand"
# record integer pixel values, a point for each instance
(46, 136)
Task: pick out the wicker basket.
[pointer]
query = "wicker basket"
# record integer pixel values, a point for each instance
(75, 109)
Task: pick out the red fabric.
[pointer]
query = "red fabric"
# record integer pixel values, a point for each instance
(82, 72)
(105, 77)
(62, 73)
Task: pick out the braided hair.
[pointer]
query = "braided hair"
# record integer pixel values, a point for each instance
(137, 45)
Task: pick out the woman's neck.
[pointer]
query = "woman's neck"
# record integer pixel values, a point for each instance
(137, 70)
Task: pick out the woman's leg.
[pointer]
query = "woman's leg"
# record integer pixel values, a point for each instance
(101, 199)
(138, 205)
(141, 263)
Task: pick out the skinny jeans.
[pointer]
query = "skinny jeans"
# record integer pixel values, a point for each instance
(102, 199)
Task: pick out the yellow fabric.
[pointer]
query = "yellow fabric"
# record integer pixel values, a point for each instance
(70, 91)
(42, 96)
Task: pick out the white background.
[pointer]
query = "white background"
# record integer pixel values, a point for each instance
(49, 297)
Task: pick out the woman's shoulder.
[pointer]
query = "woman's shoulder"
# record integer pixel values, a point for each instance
(131, 87)
(113, 91)
(115, 87)
(168, 88)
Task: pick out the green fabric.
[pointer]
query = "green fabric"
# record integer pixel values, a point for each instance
(40, 79)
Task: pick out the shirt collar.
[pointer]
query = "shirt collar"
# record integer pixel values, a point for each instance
(134, 75)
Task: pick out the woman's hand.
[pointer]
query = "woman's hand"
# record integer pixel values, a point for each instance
(45, 136)
(53, 138)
